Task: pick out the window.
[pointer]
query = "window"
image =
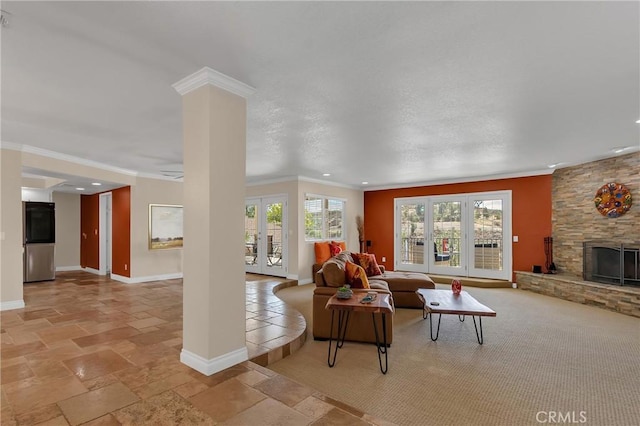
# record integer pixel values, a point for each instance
(323, 218)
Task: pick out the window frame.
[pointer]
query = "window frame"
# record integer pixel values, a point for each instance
(325, 200)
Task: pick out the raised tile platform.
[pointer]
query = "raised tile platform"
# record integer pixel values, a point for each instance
(623, 299)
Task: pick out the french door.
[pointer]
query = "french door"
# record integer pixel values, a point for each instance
(462, 235)
(265, 236)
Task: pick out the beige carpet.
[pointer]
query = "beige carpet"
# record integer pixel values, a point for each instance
(540, 355)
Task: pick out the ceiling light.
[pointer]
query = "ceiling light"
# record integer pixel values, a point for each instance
(365, 183)
(553, 166)
(326, 174)
(620, 149)
(96, 183)
(4, 18)
(637, 121)
(80, 189)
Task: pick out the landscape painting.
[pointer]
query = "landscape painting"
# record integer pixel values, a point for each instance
(165, 226)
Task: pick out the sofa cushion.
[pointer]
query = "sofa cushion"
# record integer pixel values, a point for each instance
(368, 262)
(405, 281)
(378, 285)
(333, 274)
(356, 276)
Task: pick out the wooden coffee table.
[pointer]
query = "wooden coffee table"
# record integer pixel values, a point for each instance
(381, 305)
(445, 302)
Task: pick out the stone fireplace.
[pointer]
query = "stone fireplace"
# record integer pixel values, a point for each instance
(611, 263)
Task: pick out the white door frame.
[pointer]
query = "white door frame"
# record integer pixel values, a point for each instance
(106, 233)
(262, 265)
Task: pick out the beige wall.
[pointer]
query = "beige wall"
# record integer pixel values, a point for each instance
(11, 271)
(575, 218)
(145, 262)
(67, 230)
(290, 189)
(354, 207)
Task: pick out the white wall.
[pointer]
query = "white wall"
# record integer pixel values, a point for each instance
(67, 230)
(32, 194)
(144, 262)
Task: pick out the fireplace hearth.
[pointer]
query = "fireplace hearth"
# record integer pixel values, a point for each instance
(611, 263)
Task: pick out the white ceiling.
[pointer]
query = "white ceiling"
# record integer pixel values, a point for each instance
(386, 92)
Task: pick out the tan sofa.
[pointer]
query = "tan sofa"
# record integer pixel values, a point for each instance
(401, 286)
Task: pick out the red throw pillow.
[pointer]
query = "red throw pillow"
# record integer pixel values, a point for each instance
(342, 244)
(334, 248)
(368, 263)
(355, 275)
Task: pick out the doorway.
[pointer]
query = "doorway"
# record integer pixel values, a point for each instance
(266, 236)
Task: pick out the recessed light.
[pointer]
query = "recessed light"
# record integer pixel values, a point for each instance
(96, 183)
(365, 183)
(80, 189)
(637, 121)
(326, 174)
(620, 149)
(553, 166)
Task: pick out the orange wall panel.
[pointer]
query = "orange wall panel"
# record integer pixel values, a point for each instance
(121, 231)
(90, 231)
(531, 215)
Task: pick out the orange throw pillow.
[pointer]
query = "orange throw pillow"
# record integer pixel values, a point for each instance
(368, 263)
(323, 253)
(355, 276)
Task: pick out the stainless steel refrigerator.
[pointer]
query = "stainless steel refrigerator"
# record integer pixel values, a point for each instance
(39, 231)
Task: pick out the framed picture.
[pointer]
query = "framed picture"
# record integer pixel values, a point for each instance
(165, 226)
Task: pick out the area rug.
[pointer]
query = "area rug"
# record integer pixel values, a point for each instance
(544, 360)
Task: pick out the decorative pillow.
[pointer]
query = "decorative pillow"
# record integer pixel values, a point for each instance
(368, 263)
(323, 253)
(355, 276)
(334, 248)
(342, 244)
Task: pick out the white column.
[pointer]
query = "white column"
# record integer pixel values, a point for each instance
(214, 131)
(11, 273)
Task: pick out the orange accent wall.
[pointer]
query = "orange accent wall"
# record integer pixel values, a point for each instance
(531, 215)
(90, 231)
(121, 231)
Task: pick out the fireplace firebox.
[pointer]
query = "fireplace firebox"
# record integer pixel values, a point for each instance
(611, 263)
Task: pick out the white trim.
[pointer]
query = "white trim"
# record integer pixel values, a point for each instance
(137, 280)
(460, 180)
(324, 182)
(291, 277)
(93, 271)
(68, 268)
(211, 366)
(12, 304)
(305, 281)
(10, 146)
(207, 75)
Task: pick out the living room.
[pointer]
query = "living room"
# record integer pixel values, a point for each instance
(419, 150)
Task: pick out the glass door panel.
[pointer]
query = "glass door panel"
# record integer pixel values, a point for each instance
(489, 238)
(410, 252)
(274, 235)
(251, 232)
(447, 245)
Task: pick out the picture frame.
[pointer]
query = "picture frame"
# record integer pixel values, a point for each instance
(165, 226)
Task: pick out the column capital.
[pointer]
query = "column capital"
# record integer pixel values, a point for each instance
(209, 76)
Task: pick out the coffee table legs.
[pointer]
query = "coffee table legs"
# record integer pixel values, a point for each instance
(343, 321)
(479, 335)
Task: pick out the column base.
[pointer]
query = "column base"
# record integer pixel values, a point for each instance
(211, 366)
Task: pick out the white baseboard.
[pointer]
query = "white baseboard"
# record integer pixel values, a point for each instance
(136, 280)
(68, 268)
(291, 277)
(305, 281)
(12, 304)
(93, 271)
(211, 366)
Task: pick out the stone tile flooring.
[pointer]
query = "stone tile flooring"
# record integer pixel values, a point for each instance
(89, 350)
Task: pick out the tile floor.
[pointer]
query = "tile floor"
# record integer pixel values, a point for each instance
(88, 350)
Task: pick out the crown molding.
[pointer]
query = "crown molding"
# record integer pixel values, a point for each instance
(209, 76)
(324, 182)
(461, 180)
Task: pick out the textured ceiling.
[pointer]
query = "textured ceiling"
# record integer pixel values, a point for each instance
(389, 93)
